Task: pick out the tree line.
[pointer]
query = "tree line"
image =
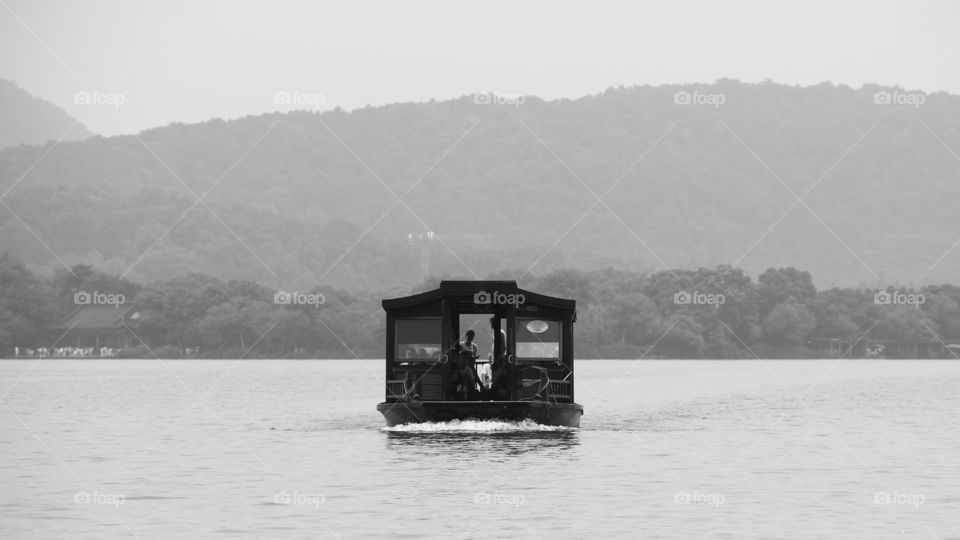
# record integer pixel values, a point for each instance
(706, 313)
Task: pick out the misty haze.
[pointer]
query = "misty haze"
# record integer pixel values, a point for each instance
(304, 270)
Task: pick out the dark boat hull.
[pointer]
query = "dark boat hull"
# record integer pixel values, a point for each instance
(415, 412)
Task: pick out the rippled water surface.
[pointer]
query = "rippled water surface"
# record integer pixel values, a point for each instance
(296, 449)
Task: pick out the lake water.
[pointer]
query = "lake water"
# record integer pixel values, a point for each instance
(295, 449)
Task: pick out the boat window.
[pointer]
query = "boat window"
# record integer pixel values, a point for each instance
(418, 339)
(538, 339)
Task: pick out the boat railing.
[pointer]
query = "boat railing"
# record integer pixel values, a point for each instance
(559, 390)
(425, 380)
(396, 390)
(422, 378)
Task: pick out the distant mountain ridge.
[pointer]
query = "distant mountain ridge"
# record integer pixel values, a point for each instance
(855, 188)
(27, 119)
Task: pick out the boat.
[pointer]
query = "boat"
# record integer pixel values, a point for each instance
(432, 368)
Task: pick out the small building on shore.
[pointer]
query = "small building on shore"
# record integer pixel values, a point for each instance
(89, 331)
(883, 348)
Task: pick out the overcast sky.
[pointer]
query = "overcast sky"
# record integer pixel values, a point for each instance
(189, 61)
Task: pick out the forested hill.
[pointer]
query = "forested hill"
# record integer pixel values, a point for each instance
(304, 198)
(26, 119)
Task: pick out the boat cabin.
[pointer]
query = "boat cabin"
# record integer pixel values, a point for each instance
(430, 358)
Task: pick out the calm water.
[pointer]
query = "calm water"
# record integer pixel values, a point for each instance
(296, 449)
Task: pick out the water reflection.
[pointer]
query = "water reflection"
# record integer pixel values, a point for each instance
(493, 443)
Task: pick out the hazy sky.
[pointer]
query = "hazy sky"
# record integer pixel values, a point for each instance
(172, 61)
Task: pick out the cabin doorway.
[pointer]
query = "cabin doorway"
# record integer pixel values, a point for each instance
(480, 324)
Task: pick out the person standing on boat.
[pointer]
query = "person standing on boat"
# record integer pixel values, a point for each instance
(468, 366)
(498, 368)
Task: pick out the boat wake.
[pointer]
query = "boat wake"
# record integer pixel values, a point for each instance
(476, 426)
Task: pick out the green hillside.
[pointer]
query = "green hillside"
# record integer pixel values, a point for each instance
(26, 119)
(305, 198)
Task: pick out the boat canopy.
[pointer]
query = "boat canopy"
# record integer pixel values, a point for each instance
(421, 330)
(483, 295)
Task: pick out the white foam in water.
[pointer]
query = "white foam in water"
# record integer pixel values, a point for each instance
(474, 426)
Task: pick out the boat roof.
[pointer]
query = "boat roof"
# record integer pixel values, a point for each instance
(463, 289)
